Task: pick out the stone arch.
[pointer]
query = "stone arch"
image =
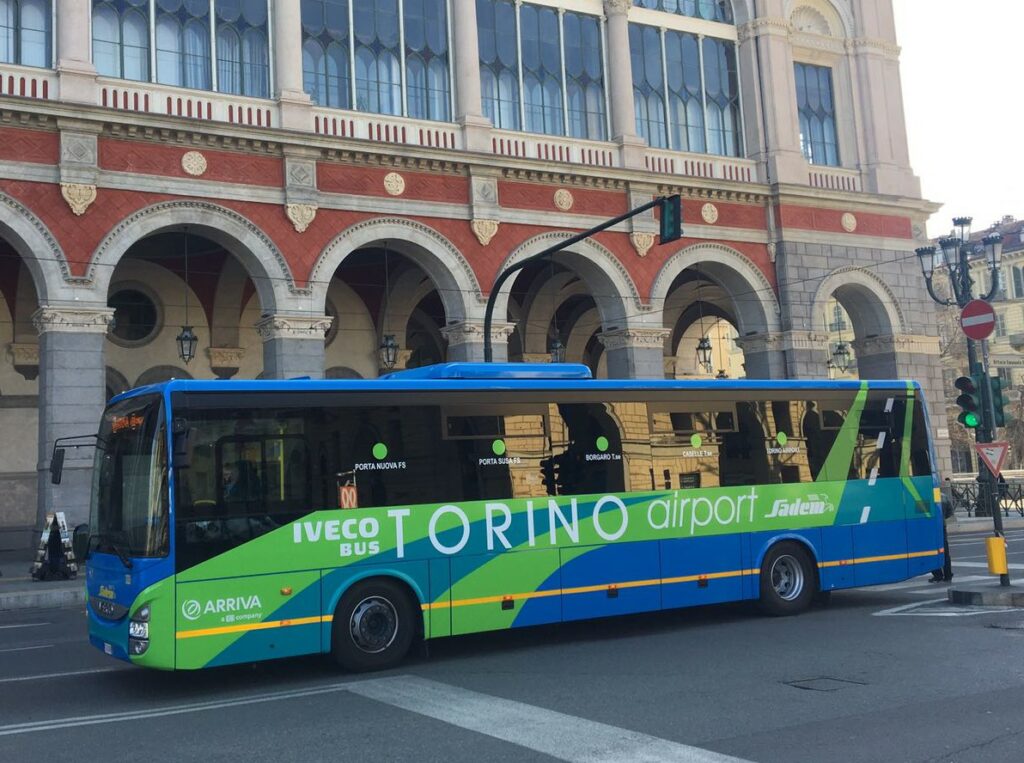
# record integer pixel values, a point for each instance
(754, 302)
(867, 299)
(822, 17)
(158, 374)
(263, 261)
(607, 279)
(38, 248)
(541, 306)
(450, 271)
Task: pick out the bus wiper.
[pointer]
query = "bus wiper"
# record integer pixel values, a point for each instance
(108, 538)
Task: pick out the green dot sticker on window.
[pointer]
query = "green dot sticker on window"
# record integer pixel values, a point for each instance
(380, 451)
(781, 438)
(602, 443)
(498, 447)
(695, 440)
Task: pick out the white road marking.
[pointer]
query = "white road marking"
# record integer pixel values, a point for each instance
(26, 648)
(60, 675)
(873, 478)
(984, 565)
(917, 583)
(563, 736)
(917, 609)
(865, 514)
(22, 625)
(566, 737)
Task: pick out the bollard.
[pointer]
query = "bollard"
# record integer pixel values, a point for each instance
(996, 549)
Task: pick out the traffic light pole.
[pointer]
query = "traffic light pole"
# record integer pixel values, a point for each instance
(989, 410)
(667, 204)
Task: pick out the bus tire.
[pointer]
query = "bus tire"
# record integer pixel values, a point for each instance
(788, 580)
(374, 625)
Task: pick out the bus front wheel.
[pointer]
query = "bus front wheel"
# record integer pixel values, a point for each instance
(374, 625)
(788, 580)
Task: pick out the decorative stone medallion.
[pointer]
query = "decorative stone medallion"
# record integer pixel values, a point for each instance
(709, 213)
(78, 196)
(194, 163)
(642, 241)
(394, 184)
(484, 230)
(301, 215)
(849, 222)
(564, 199)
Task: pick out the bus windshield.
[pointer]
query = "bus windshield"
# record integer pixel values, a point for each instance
(129, 513)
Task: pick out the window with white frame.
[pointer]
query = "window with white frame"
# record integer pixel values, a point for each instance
(177, 42)
(1000, 325)
(685, 90)
(398, 52)
(712, 10)
(817, 110)
(542, 69)
(26, 36)
(1018, 282)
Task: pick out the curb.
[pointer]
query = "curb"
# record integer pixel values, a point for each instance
(990, 597)
(979, 524)
(61, 597)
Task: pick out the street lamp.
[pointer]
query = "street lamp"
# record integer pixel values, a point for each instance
(841, 357)
(704, 354)
(388, 351)
(186, 339)
(557, 350)
(957, 250)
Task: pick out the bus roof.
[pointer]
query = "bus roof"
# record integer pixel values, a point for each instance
(483, 376)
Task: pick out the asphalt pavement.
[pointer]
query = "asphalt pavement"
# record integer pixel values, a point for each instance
(892, 673)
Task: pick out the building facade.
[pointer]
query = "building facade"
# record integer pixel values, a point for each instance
(302, 182)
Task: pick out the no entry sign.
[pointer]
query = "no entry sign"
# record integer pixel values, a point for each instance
(978, 319)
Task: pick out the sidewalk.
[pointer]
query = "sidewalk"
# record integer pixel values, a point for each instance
(19, 591)
(961, 524)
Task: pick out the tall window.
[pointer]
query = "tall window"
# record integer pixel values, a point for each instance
(685, 91)
(325, 52)
(554, 79)
(817, 114)
(183, 43)
(712, 10)
(25, 33)
(243, 60)
(353, 56)
(120, 39)
(499, 62)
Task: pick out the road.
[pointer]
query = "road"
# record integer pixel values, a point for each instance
(884, 674)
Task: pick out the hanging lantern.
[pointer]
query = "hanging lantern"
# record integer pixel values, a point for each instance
(557, 350)
(187, 342)
(704, 354)
(841, 357)
(388, 351)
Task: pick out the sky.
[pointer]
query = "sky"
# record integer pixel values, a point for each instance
(962, 67)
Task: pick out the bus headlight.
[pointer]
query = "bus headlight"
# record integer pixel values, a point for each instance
(138, 630)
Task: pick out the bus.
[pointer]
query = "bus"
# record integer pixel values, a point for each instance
(237, 521)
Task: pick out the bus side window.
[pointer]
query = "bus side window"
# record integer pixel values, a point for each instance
(686, 446)
(920, 455)
(586, 449)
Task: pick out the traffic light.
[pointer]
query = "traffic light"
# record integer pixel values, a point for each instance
(969, 400)
(999, 400)
(671, 218)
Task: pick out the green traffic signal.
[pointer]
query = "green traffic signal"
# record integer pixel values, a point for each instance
(671, 220)
(969, 401)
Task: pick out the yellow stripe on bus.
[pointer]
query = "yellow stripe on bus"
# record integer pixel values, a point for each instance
(243, 628)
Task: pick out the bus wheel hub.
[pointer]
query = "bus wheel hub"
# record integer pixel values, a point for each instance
(374, 624)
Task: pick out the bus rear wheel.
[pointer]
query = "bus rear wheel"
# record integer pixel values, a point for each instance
(788, 580)
(374, 625)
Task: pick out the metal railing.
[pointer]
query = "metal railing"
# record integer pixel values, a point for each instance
(965, 499)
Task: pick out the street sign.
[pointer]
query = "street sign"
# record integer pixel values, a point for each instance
(347, 497)
(993, 454)
(978, 319)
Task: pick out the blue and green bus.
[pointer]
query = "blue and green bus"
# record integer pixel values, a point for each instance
(236, 521)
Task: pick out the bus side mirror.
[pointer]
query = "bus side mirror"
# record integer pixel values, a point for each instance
(57, 465)
(182, 436)
(80, 543)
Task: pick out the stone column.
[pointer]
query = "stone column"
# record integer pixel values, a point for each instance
(293, 345)
(466, 341)
(72, 386)
(620, 84)
(637, 353)
(476, 128)
(765, 356)
(293, 101)
(76, 73)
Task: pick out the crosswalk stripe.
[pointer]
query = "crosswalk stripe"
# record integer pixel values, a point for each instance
(562, 736)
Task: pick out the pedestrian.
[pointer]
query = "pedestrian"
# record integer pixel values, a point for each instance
(945, 572)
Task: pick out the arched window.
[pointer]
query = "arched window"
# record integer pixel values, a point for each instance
(325, 52)
(817, 114)
(584, 76)
(183, 43)
(243, 64)
(712, 10)
(25, 32)
(722, 95)
(648, 84)
(499, 62)
(542, 70)
(378, 73)
(426, 59)
(120, 39)
(682, 63)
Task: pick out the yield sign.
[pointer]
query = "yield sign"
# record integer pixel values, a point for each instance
(978, 319)
(993, 454)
